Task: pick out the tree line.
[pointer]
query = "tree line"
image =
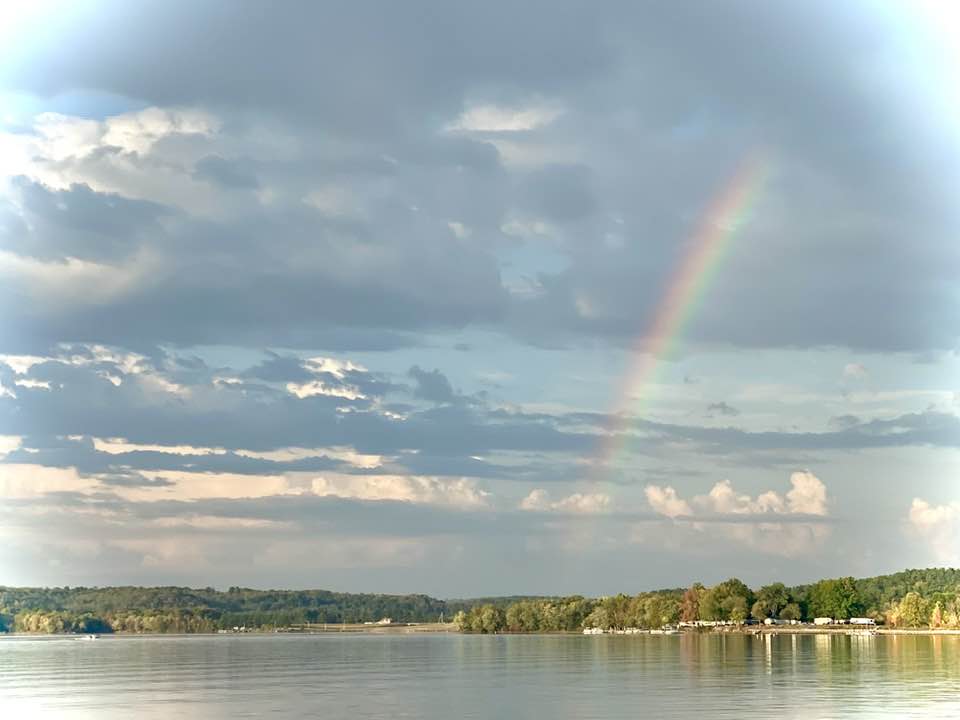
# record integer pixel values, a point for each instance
(912, 598)
(191, 610)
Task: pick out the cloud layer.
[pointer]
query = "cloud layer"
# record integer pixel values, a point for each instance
(348, 289)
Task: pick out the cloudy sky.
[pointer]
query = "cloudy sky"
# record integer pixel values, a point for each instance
(362, 295)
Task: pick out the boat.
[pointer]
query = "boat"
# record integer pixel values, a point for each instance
(667, 630)
(89, 637)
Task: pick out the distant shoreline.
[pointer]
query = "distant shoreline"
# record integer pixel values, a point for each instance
(889, 603)
(450, 628)
(793, 630)
(327, 629)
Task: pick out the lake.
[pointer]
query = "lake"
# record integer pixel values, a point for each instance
(458, 676)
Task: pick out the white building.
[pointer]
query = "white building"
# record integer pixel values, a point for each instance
(823, 621)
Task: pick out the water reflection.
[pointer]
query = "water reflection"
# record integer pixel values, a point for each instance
(717, 676)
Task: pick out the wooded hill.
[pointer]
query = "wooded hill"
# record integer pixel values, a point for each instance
(909, 598)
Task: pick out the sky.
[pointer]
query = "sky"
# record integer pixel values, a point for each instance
(477, 298)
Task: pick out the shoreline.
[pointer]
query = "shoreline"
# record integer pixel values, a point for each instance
(449, 629)
(843, 631)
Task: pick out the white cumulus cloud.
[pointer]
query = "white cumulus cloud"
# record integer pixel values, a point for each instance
(807, 496)
(9, 443)
(939, 526)
(665, 501)
(460, 492)
(586, 503)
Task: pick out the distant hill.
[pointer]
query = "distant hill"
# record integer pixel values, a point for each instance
(178, 609)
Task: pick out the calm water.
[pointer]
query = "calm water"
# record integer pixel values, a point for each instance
(454, 676)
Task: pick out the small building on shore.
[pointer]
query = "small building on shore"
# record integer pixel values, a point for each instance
(823, 621)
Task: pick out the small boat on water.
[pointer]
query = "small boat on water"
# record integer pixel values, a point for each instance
(89, 637)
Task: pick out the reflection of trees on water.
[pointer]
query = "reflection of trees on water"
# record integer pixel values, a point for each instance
(788, 675)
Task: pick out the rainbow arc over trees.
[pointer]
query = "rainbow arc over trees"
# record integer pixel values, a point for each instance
(725, 216)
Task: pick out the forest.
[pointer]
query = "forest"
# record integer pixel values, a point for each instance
(188, 610)
(908, 599)
(912, 598)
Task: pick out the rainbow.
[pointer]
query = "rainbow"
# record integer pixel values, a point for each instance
(718, 226)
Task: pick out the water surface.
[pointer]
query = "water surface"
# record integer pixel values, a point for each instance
(457, 676)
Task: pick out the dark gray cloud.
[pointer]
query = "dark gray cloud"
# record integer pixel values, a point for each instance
(452, 438)
(46, 224)
(431, 385)
(930, 429)
(722, 408)
(413, 59)
(280, 368)
(123, 468)
(851, 242)
(843, 422)
(132, 479)
(315, 284)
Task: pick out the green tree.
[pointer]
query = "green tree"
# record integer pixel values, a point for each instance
(619, 610)
(912, 611)
(728, 600)
(771, 599)
(838, 599)
(710, 605)
(515, 619)
(791, 611)
(492, 619)
(936, 615)
(598, 618)
(737, 609)
(660, 609)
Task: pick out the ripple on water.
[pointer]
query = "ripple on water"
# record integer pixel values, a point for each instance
(445, 676)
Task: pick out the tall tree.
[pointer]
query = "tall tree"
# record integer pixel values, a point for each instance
(912, 611)
(836, 598)
(690, 603)
(771, 599)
